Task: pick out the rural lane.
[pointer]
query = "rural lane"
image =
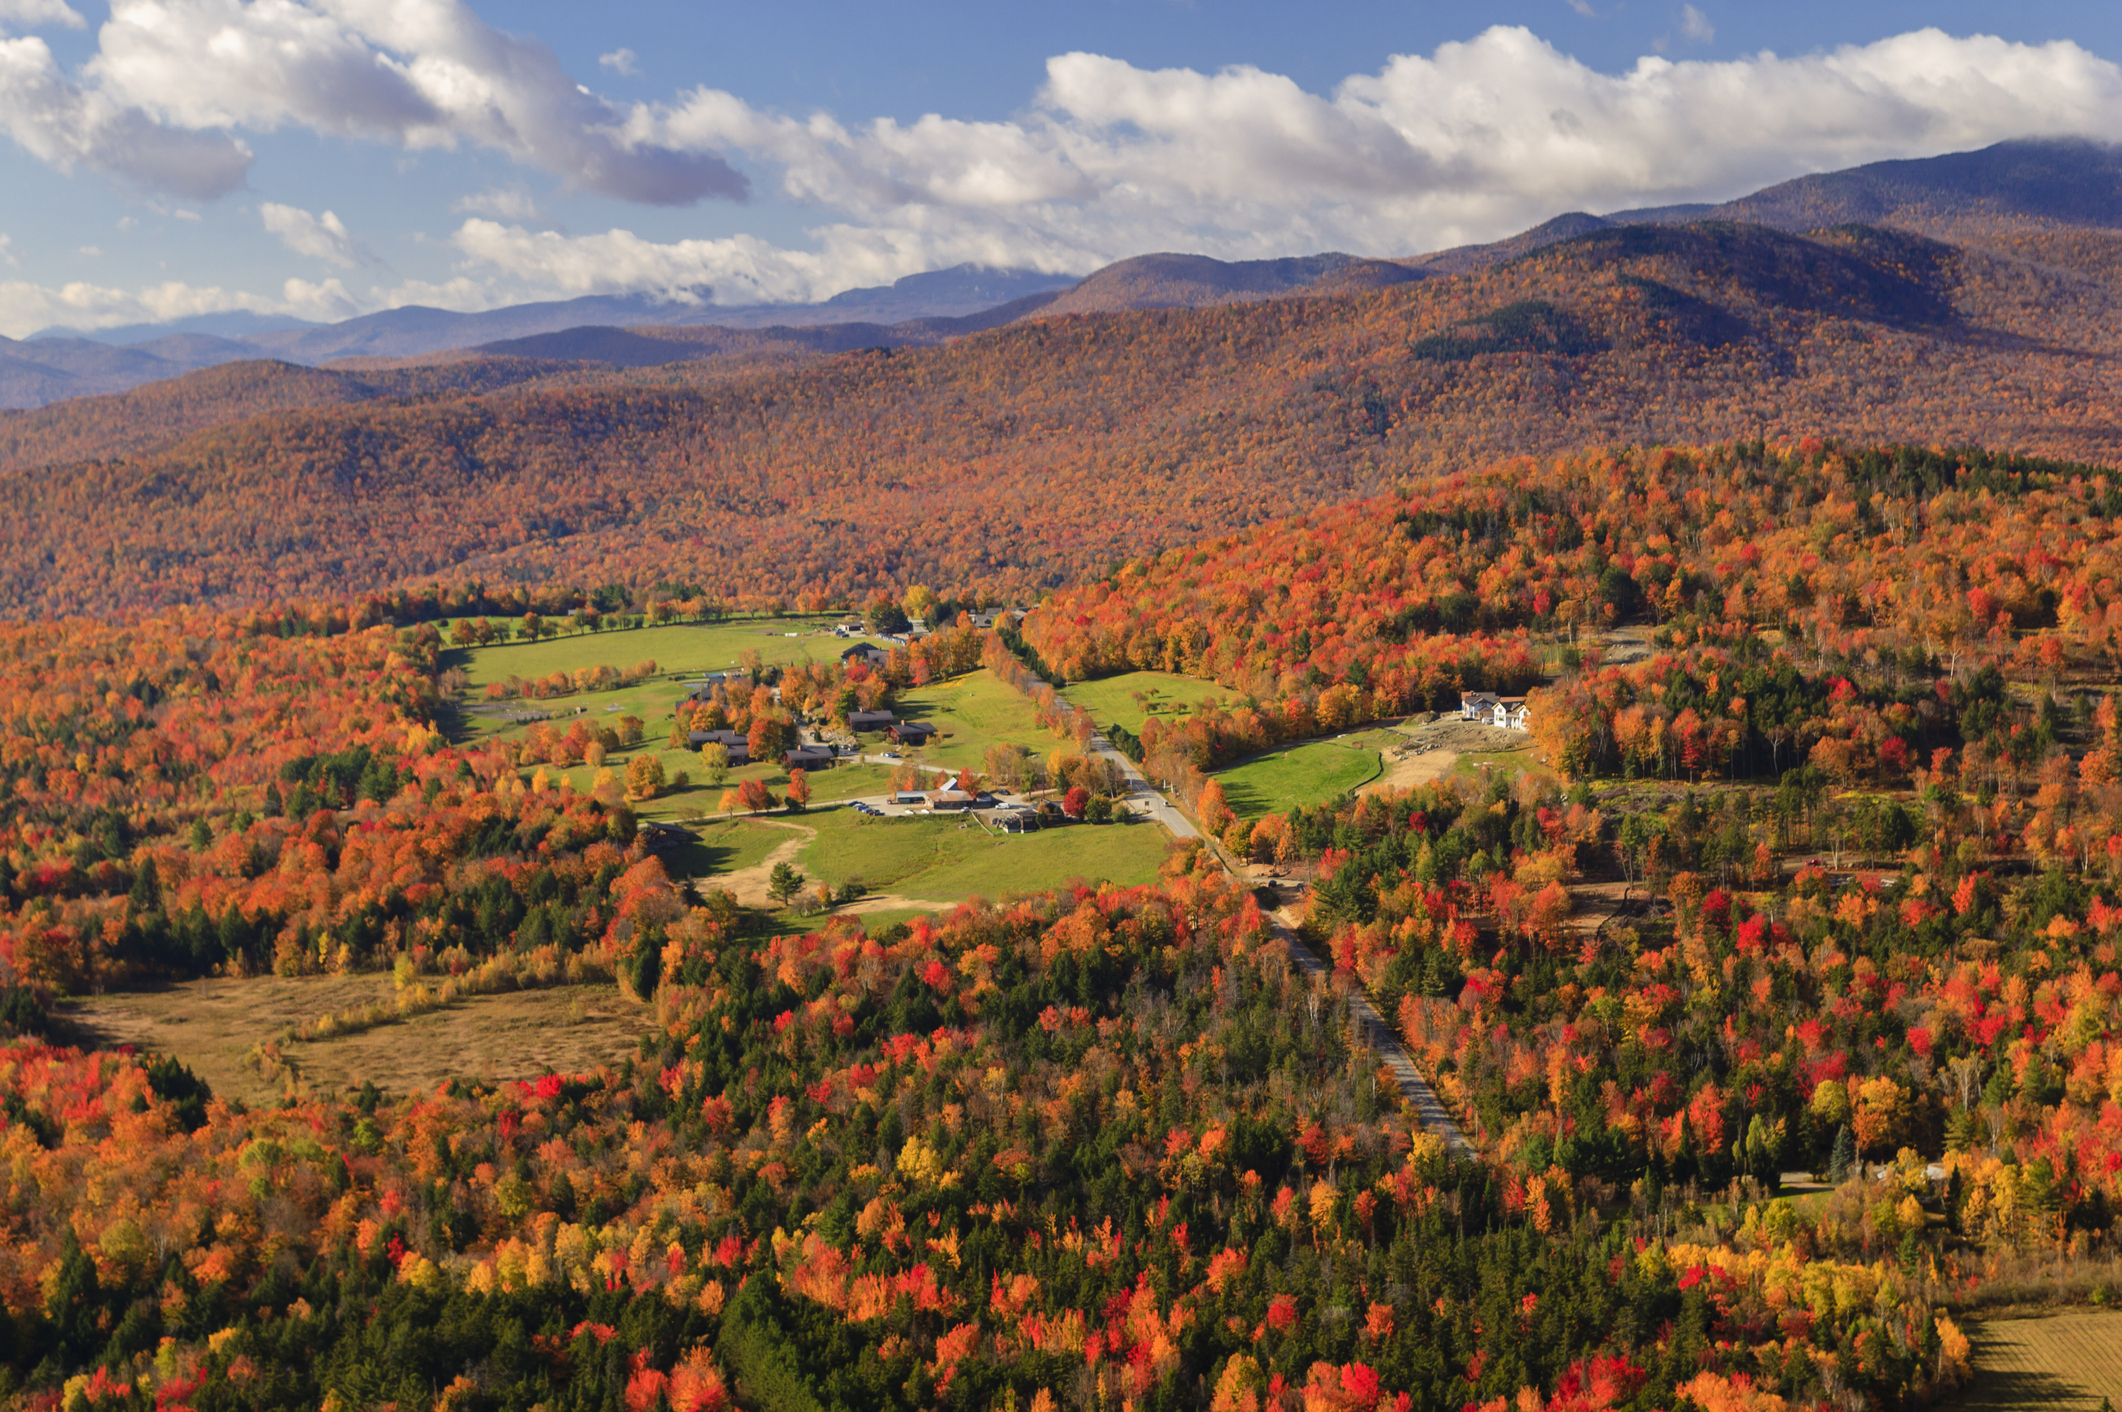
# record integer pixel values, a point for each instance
(1414, 1089)
(1140, 790)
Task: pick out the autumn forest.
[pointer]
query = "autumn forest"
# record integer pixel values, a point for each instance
(1739, 1036)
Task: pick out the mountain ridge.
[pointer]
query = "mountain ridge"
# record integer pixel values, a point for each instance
(1033, 454)
(2071, 182)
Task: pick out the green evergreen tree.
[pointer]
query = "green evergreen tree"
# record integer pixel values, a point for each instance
(1843, 1157)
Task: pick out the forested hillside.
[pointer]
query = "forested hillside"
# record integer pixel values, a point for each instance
(1027, 457)
(1110, 1144)
(149, 418)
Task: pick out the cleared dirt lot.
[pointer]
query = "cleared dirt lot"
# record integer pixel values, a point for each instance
(212, 1024)
(1433, 748)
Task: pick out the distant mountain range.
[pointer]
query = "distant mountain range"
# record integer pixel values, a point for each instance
(2063, 182)
(1165, 400)
(62, 363)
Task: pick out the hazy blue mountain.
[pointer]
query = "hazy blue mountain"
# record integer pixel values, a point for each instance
(2068, 181)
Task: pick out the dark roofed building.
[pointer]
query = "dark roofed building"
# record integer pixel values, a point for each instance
(869, 720)
(738, 745)
(912, 733)
(868, 652)
(808, 757)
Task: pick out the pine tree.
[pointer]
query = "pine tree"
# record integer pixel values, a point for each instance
(1843, 1157)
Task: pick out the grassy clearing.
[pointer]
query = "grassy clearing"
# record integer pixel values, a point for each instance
(692, 647)
(1375, 738)
(974, 713)
(212, 1024)
(725, 847)
(1306, 774)
(1111, 700)
(847, 782)
(944, 859)
(1507, 762)
(2069, 1362)
(676, 650)
(699, 800)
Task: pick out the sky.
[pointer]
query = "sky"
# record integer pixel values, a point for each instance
(325, 158)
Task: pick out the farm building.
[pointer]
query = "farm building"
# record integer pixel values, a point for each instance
(869, 720)
(912, 733)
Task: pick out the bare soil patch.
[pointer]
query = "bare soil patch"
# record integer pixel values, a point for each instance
(1433, 747)
(749, 885)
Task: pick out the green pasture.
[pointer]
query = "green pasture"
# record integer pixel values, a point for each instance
(676, 647)
(1307, 774)
(949, 857)
(973, 713)
(1111, 700)
(726, 846)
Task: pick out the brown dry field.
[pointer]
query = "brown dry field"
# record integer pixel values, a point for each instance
(211, 1024)
(2068, 1363)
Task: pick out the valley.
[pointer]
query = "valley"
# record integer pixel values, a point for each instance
(1537, 826)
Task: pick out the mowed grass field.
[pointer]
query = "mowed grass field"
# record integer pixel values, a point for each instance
(1307, 774)
(678, 647)
(1111, 700)
(212, 1024)
(947, 858)
(2067, 1363)
(725, 846)
(973, 713)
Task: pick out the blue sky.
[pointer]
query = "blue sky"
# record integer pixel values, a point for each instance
(326, 157)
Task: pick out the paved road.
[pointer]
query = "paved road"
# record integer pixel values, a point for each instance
(1143, 795)
(1414, 1089)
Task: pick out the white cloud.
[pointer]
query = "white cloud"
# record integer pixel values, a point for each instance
(66, 125)
(25, 307)
(1583, 7)
(506, 203)
(7, 253)
(1695, 26)
(415, 73)
(621, 61)
(731, 270)
(1472, 142)
(322, 237)
(28, 14)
